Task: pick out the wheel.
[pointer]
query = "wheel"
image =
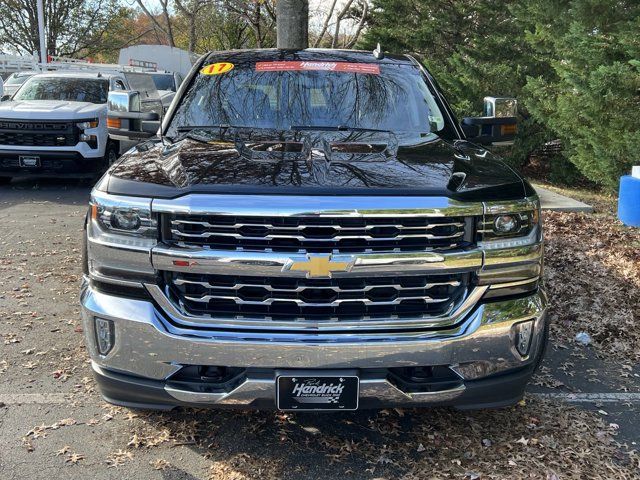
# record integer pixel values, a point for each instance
(111, 154)
(5, 180)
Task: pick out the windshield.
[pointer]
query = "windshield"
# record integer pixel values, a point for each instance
(17, 79)
(64, 88)
(163, 82)
(282, 95)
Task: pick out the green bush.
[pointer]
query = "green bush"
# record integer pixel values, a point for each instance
(590, 97)
(563, 172)
(574, 66)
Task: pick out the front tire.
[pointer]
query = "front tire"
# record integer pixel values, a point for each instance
(111, 154)
(5, 180)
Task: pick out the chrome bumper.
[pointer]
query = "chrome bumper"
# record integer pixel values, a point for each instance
(481, 346)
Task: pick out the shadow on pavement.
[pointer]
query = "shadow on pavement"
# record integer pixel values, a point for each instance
(53, 190)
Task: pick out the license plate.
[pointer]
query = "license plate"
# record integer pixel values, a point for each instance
(317, 392)
(29, 161)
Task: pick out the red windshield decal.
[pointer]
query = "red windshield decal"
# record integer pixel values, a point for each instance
(344, 67)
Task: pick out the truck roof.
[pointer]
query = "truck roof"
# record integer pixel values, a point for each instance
(309, 54)
(76, 74)
(23, 73)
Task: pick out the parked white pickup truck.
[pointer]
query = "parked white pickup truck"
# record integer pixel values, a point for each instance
(56, 124)
(167, 84)
(14, 81)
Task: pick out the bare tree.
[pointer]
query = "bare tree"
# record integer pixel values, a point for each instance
(191, 9)
(325, 24)
(356, 12)
(259, 15)
(350, 40)
(72, 26)
(167, 28)
(214, 23)
(341, 14)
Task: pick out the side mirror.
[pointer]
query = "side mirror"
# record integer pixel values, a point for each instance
(4, 98)
(499, 125)
(129, 117)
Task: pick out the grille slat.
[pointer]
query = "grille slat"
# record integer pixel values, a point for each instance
(182, 281)
(304, 303)
(302, 227)
(302, 238)
(300, 299)
(318, 234)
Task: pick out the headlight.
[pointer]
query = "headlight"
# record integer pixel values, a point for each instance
(121, 232)
(126, 220)
(87, 124)
(510, 224)
(123, 220)
(506, 224)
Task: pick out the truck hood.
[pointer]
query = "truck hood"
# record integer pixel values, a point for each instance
(50, 110)
(316, 163)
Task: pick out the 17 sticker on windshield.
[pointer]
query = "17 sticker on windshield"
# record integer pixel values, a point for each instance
(217, 68)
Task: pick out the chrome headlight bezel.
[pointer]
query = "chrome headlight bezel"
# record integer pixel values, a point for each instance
(105, 209)
(528, 219)
(513, 261)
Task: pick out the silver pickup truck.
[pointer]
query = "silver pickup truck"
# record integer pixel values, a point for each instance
(313, 230)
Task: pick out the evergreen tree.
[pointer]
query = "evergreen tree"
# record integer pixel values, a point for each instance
(590, 97)
(574, 66)
(474, 49)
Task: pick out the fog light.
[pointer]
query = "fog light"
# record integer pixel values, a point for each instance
(90, 140)
(506, 224)
(104, 335)
(524, 333)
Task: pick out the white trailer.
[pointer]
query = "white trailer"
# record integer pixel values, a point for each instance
(166, 58)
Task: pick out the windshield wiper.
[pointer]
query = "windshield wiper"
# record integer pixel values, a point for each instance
(339, 128)
(190, 132)
(189, 128)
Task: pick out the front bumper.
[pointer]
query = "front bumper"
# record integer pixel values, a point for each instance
(146, 354)
(52, 162)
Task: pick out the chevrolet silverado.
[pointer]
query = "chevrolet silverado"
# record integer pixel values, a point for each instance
(313, 230)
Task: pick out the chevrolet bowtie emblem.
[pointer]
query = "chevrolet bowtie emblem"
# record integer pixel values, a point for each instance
(318, 266)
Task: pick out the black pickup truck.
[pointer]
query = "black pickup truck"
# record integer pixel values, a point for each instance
(313, 230)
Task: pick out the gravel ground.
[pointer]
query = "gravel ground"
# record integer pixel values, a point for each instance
(53, 422)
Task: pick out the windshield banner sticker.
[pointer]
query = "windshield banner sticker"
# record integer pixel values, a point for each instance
(343, 67)
(216, 68)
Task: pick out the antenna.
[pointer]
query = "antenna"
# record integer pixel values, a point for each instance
(378, 53)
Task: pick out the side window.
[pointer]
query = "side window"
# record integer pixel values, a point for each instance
(118, 84)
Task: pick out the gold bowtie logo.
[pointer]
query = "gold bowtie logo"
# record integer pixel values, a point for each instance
(320, 266)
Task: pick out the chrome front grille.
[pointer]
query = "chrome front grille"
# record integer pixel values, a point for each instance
(327, 263)
(318, 234)
(345, 298)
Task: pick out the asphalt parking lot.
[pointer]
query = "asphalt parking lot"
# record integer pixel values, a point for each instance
(581, 418)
